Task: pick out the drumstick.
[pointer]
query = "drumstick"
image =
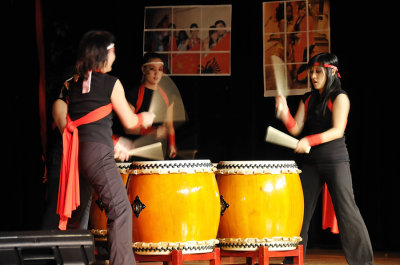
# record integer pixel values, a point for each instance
(157, 103)
(151, 151)
(280, 79)
(280, 138)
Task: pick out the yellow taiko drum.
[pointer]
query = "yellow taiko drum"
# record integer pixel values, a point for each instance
(262, 204)
(98, 218)
(175, 205)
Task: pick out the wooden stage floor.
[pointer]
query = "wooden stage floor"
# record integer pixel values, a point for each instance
(314, 257)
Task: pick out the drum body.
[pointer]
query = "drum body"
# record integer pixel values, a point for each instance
(98, 218)
(175, 206)
(262, 204)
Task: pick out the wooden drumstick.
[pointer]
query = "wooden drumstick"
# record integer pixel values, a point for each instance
(176, 111)
(157, 106)
(280, 138)
(280, 79)
(151, 151)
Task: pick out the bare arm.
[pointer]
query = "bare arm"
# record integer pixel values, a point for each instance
(171, 130)
(59, 113)
(135, 130)
(285, 115)
(340, 112)
(299, 118)
(121, 107)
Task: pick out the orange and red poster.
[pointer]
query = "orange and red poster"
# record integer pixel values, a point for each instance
(294, 31)
(194, 40)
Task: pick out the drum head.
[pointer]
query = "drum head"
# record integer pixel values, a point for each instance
(257, 167)
(172, 166)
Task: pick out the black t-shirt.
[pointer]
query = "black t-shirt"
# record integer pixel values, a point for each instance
(81, 104)
(317, 121)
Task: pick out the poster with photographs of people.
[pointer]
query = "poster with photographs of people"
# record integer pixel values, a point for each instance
(294, 31)
(194, 40)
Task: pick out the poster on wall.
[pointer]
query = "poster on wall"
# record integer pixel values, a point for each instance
(294, 31)
(193, 40)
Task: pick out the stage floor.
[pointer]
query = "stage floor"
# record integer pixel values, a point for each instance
(314, 257)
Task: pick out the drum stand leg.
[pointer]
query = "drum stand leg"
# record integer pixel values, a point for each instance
(263, 255)
(177, 257)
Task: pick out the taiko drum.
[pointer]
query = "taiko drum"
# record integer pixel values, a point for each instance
(262, 204)
(98, 218)
(175, 205)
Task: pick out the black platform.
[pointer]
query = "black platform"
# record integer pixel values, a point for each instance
(47, 247)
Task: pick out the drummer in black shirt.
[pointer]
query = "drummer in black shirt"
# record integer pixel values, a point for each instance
(140, 99)
(320, 122)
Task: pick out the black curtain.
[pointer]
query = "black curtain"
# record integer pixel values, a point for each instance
(228, 116)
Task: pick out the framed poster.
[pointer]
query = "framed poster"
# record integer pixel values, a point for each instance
(194, 40)
(294, 31)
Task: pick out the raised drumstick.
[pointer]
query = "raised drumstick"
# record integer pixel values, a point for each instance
(280, 79)
(176, 111)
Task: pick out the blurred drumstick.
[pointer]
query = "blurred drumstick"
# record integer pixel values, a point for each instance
(169, 116)
(176, 108)
(280, 138)
(280, 79)
(157, 106)
(152, 151)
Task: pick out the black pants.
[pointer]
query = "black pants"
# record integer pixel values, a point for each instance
(353, 233)
(80, 217)
(97, 165)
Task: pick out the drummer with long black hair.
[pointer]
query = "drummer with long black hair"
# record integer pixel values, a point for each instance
(320, 121)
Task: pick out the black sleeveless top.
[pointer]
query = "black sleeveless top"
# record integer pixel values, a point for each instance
(317, 121)
(81, 104)
(131, 95)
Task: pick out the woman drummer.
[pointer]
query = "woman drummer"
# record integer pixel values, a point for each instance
(93, 96)
(140, 99)
(320, 121)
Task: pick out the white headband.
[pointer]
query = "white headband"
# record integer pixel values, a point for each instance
(153, 63)
(110, 46)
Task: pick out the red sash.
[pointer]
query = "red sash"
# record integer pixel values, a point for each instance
(68, 190)
(139, 100)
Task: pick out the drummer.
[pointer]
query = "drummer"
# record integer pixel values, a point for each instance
(140, 98)
(93, 95)
(320, 121)
(80, 217)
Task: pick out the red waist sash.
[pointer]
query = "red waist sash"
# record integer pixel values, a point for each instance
(68, 190)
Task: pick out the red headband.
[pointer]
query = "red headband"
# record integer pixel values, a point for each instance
(329, 66)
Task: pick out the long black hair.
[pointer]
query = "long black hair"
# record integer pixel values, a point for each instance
(210, 33)
(328, 61)
(93, 53)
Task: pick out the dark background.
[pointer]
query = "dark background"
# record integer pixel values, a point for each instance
(228, 115)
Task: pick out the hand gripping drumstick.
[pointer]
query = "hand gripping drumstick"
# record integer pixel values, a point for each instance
(277, 137)
(280, 79)
(151, 151)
